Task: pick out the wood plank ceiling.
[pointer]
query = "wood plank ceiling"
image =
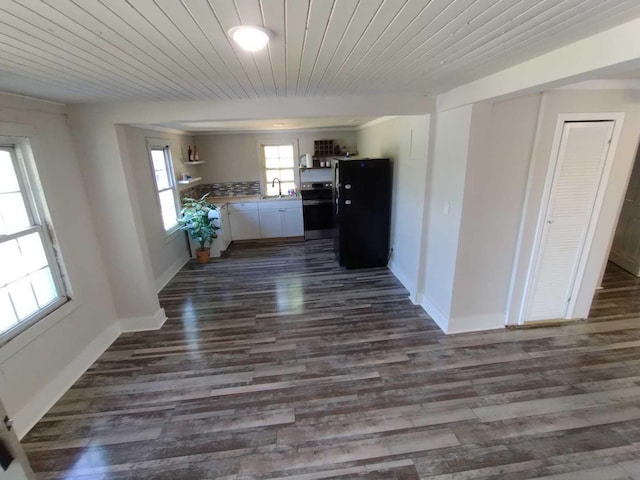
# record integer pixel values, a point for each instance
(120, 50)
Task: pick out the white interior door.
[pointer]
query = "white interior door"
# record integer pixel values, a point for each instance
(575, 182)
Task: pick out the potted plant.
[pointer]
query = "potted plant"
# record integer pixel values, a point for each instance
(197, 218)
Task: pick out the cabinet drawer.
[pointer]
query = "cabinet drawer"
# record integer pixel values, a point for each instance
(243, 206)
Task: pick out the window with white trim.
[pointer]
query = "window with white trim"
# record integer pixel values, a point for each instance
(165, 185)
(31, 284)
(279, 163)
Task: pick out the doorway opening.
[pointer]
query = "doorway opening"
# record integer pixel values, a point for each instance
(618, 293)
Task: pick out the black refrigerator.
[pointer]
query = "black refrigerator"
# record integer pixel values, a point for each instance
(362, 211)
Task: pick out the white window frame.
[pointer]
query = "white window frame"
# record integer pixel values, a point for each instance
(168, 159)
(19, 149)
(283, 143)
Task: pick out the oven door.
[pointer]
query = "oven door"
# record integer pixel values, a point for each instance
(318, 218)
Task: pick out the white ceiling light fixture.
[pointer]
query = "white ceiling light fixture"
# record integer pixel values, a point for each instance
(250, 38)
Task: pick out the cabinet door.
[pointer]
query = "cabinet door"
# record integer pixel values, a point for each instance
(270, 223)
(245, 225)
(293, 225)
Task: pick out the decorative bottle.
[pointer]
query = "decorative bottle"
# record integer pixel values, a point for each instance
(190, 154)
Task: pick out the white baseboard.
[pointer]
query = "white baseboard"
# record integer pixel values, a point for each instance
(476, 323)
(47, 396)
(140, 324)
(169, 273)
(434, 312)
(403, 278)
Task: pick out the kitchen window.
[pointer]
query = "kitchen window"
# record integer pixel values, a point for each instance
(165, 186)
(279, 163)
(31, 283)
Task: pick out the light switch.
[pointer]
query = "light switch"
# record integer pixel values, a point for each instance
(446, 208)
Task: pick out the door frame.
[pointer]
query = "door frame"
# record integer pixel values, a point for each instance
(563, 118)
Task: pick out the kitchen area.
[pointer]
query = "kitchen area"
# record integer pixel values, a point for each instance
(266, 185)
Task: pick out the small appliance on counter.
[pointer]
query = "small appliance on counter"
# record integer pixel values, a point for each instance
(305, 160)
(362, 211)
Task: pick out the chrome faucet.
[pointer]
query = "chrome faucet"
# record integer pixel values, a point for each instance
(273, 184)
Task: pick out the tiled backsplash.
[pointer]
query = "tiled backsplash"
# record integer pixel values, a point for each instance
(229, 189)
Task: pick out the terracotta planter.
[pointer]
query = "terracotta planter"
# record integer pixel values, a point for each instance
(203, 255)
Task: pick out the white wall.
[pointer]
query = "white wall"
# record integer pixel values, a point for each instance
(446, 189)
(500, 148)
(107, 171)
(39, 365)
(584, 101)
(235, 157)
(167, 254)
(479, 174)
(405, 140)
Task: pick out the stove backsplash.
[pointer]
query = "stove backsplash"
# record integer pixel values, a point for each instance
(228, 189)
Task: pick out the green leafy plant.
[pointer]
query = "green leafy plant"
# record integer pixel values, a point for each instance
(197, 218)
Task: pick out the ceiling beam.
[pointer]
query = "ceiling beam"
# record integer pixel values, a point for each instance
(290, 107)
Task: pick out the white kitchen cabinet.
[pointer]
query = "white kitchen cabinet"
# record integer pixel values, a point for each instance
(293, 225)
(281, 218)
(244, 220)
(270, 223)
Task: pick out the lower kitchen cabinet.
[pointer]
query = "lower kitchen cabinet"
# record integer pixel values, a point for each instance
(292, 223)
(270, 223)
(244, 220)
(281, 218)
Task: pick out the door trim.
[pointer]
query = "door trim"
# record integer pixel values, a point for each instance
(563, 118)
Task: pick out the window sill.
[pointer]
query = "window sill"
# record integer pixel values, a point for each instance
(12, 345)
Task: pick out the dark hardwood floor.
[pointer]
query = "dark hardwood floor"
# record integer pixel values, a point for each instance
(275, 362)
(619, 296)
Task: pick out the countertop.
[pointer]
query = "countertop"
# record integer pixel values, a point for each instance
(247, 198)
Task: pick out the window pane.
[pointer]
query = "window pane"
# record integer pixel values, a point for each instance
(272, 163)
(43, 286)
(11, 261)
(8, 179)
(169, 218)
(286, 151)
(286, 162)
(168, 209)
(13, 213)
(286, 175)
(272, 190)
(162, 179)
(286, 186)
(166, 200)
(7, 315)
(159, 162)
(23, 298)
(271, 174)
(271, 152)
(32, 251)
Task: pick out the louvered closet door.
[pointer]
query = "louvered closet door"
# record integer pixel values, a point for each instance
(576, 180)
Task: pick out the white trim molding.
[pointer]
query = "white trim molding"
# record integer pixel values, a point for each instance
(47, 396)
(170, 272)
(142, 324)
(436, 315)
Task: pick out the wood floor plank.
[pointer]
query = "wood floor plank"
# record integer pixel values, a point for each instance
(276, 363)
